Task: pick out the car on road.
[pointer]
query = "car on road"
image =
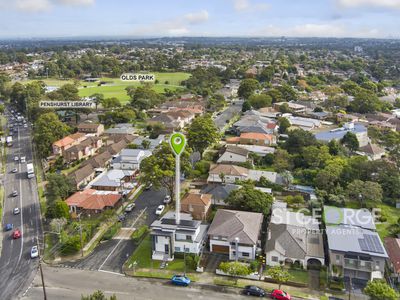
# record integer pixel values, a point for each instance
(180, 280)
(14, 193)
(16, 234)
(25, 126)
(121, 217)
(16, 211)
(34, 252)
(160, 210)
(15, 170)
(167, 199)
(129, 207)
(16, 158)
(252, 290)
(9, 227)
(280, 295)
(23, 159)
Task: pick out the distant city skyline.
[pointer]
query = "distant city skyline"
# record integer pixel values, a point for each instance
(242, 18)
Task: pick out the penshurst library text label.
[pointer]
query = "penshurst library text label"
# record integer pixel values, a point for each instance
(66, 104)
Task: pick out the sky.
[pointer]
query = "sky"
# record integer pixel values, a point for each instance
(239, 18)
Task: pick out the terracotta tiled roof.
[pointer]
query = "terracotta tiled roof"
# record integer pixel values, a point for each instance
(393, 249)
(197, 199)
(256, 136)
(228, 170)
(64, 142)
(93, 200)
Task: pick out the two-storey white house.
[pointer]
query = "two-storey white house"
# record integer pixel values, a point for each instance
(129, 159)
(168, 237)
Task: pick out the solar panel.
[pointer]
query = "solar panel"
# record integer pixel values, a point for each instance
(371, 243)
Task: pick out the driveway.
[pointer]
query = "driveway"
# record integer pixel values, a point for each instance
(109, 256)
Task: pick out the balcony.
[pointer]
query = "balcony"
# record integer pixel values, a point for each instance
(357, 264)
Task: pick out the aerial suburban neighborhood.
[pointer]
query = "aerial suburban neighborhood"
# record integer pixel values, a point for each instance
(186, 158)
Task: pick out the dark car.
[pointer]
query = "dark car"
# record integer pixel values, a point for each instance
(252, 290)
(121, 217)
(9, 227)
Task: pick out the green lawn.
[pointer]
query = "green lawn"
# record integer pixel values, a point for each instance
(392, 215)
(116, 88)
(297, 275)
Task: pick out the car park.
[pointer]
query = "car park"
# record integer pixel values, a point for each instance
(16, 211)
(180, 280)
(167, 199)
(160, 210)
(280, 295)
(16, 234)
(252, 290)
(9, 227)
(129, 207)
(34, 252)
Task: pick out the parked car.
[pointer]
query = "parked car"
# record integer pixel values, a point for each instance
(9, 227)
(129, 207)
(167, 199)
(15, 170)
(121, 217)
(14, 193)
(280, 295)
(160, 210)
(16, 234)
(16, 158)
(180, 280)
(16, 211)
(23, 159)
(34, 252)
(252, 290)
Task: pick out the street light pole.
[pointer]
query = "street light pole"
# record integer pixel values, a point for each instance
(41, 271)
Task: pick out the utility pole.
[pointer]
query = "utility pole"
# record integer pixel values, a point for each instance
(80, 233)
(41, 271)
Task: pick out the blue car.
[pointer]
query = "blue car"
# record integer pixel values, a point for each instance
(180, 280)
(9, 227)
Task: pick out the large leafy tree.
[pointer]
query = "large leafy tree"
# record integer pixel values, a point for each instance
(350, 141)
(247, 87)
(380, 290)
(143, 97)
(249, 199)
(159, 168)
(298, 139)
(202, 133)
(259, 101)
(365, 101)
(363, 191)
(58, 187)
(48, 129)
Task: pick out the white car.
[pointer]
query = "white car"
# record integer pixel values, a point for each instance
(16, 158)
(167, 199)
(130, 207)
(16, 211)
(23, 159)
(34, 252)
(160, 210)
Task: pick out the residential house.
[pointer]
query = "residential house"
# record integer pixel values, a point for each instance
(67, 142)
(168, 237)
(337, 134)
(372, 151)
(91, 128)
(152, 143)
(219, 192)
(120, 129)
(233, 154)
(82, 176)
(383, 125)
(294, 107)
(99, 162)
(253, 138)
(172, 120)
(129, 159)
(303, 123)
(355, 248)
(235, 233)
(392, 246)
(114, 180)
(92, 201)
(85, 148)
(294, 238)
(196, 204)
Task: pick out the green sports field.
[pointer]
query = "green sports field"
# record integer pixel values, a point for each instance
(114, 87)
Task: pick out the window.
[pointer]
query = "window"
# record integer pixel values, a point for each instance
(337, 258)
(274, 258)
(177, 249)
(245, 254)
(377, 265)
(189, 237)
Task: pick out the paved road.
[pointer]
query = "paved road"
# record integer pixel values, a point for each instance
(65, 284)
(226, 115)
(110, 255)
(17, 269)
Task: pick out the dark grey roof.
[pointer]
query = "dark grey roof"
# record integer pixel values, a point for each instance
(219, 191)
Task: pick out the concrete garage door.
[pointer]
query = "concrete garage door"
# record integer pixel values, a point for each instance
(220, 249)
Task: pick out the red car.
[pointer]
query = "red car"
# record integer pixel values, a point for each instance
(16, 234)
(280, 295)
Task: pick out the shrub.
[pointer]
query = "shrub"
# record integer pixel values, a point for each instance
(139, 233)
